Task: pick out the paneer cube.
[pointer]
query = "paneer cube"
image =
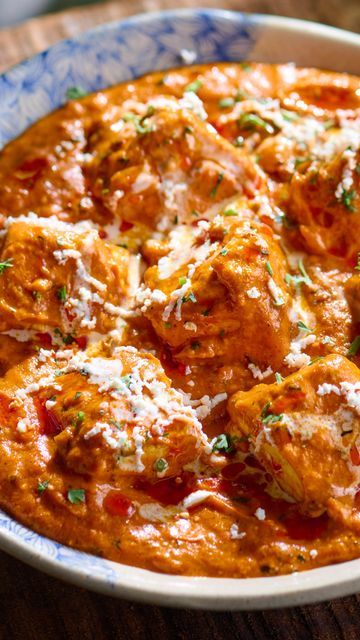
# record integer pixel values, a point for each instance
(222, 294)
(305, 431)
(59, 275)
(166, 163)
(115, 416)
(325, 204)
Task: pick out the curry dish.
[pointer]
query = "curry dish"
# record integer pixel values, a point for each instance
(180, 321)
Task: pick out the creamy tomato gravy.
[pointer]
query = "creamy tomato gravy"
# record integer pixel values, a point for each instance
(180, 321)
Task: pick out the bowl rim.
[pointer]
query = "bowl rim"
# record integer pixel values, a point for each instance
(142, 585)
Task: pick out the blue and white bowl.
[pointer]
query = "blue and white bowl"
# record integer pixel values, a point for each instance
(97, 59)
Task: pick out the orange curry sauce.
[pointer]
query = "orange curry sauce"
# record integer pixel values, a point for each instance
(180, 321)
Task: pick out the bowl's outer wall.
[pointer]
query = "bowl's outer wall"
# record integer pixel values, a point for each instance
(95, 60)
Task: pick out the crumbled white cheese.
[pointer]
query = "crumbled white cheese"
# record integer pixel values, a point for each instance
(257, 373)
(235, 534)
(260, 513)
(253, 293)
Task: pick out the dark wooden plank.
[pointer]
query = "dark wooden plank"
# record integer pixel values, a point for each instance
(34, 606)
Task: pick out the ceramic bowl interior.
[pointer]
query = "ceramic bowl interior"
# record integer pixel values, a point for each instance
(97, 59)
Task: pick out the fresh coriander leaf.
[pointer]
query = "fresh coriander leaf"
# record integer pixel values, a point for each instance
(74, 93)
(253, 122)
(226, 103)
(217, 185)
(301, 325)
(42, 486)
(230, 212)
(182, 280)
(354, 347)
(223, 443)
(278, 377)
(269, 268)
(62, 293)
(347, 199)
(76, 496)
(160, 465)
(193, 86)
(6, 265)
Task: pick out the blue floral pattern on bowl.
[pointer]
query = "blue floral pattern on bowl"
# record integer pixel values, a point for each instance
(116, 52)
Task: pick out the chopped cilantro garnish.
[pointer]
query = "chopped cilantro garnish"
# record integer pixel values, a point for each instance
(230, 212)
(357, 267)
(167, 325)
(315, 360)
(246, 66)
(223, 442)
(299, 279)
(176, 219)
(269, 268)
(357, 169)
(269, 418)
(42, 486)
(6, 265)
(354, 347)
(253, 122)
(36, 295)
(80, 417)
(347, 198)
(226, 103)
(223, 252)
(76, 496)
(74, 93)
(62, 293)
(195, 213)
(140, 124)
(77, 395)
(193, 86)
(301, 325)
(278, 377)
(116, 424)
(182, 280)
(219, 180)
(160, 465)
(189, 298)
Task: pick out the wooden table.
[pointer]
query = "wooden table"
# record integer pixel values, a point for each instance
(36, 607)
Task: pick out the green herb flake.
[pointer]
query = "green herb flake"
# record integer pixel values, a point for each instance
(357, 267)
(182, 280)
(77, 395)
(223, 252)
(219, 180)
(6, 265)
(80, 417)
(167, 325)
(272, 418)
(354, 347)
(301, 325)
(347, 199)
(42, 486)
(160, 465)
(357, 169)
(230, 212)
(278, 377)
(74, 93)
(253, 122)
(246, 66)
(226, 103)
(62, 294)
(76, 496)
(299, 279)
(269, 268)
(223, 442)
(193, 86)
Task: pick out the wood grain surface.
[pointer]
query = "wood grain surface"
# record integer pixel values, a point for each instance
(34, 606)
